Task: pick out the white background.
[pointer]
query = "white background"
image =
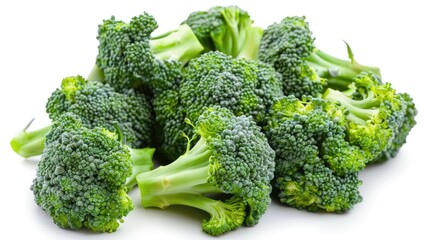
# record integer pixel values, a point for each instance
(43, 41)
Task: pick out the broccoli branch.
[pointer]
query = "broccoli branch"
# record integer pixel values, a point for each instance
(339, 72)
(185, 182)
(359, 110)
(142, 162)
(180, 45)
(187, 175)
(30, 143)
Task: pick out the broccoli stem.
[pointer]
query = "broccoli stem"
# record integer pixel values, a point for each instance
(360, 110)
(181, 45)
(96, 74)
(338, 72)
(228, 40)
(30, 143)
(250, 47)
(186, 176)
(142, 162)
(213, 207)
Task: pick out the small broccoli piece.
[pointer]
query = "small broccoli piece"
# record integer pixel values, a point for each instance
(232, 158)
(402, 131)
(98, 105)
(376, 112)
(84, 174)
(228, 30)
(306, 70)
(243, 86)
(316, 166)
(128, 57)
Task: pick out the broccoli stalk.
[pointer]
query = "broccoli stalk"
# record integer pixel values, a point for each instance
(339, 72)
(141, 159)
(187, 175)
(231, 159)
(30, 143)
(229, 30)
(96, 74)
(180, 45)
(249, 48)
(360, 111)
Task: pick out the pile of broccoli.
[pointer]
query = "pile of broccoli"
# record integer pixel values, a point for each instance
(234, 111)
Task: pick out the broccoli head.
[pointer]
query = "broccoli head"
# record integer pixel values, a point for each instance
(128, 57)
(84, 174)
(379, 119)
(98, 105)
(289, 47)
(316, 165)
(402, 131)
(243, 86)
(232, 158)
(228, 30)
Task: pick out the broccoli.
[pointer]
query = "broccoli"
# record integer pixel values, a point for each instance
(84, 175)
(379, 119)
(316, 166)
(245, 87)
(228, 30)
(306, 70)
(128, 57)
(231, 158)
(402, 131)
(97, 104)
(322, 143)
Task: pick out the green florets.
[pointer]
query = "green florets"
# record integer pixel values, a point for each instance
(315, 164)
(129, 57)
(124, 54)
(80, 178)
(289, 47)
(232, 158)
(376, 113)
(97, 104)
(404, 128)
(285, 46)
(242, 86)
(245, 87)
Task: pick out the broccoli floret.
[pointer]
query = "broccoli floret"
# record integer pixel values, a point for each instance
(379, 119)
(315, 187)
(402, 131)
(228, 30)
(84, 174)
(316, 167)
(243, 86)
(98, 105)
(374, 112)
(128, 57)
(232, 158)
(306, 70)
